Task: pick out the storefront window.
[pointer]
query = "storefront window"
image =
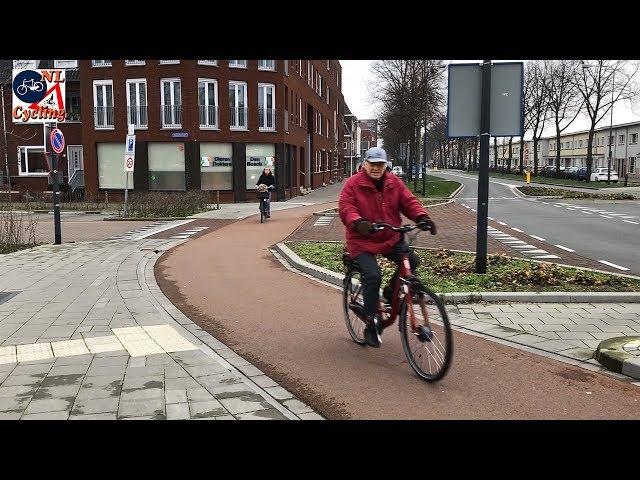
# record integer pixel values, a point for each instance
(259, 156)
(216, 166)
(111, 172)
(166, 166)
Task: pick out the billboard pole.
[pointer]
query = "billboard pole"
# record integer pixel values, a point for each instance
(483, 173)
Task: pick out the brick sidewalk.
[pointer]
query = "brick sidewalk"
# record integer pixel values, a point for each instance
(456, 231)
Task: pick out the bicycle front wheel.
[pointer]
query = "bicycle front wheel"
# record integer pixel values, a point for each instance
(428, 340)
(353, 301)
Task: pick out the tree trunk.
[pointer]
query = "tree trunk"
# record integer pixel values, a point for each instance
(510, 152)
(495, 152)
(557, 148)
(535, 155)
(590, 152)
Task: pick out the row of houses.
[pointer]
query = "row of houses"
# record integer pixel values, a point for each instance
(211, 125)
(623, 139)
(359, 136)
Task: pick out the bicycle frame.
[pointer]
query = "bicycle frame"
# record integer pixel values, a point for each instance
(403, 294)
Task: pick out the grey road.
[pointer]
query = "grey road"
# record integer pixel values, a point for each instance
(603, 230)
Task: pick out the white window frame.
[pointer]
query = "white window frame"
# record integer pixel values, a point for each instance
(328, 64)
(208, 103)
(632, 159)
(328, 89)
(134, 63)
(26, 148)
(621, 139)
(137, 81)
(102, 83)
(168, 62)
(172, 81)
(300, 67)
(273, 97)
(100, 63)
(300, 110)
(246, 123)
(212, 63)
(237, 64)
(61, 64)
(634, 139)
(265, 67)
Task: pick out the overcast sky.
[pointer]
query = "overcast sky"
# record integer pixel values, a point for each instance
(354, 87)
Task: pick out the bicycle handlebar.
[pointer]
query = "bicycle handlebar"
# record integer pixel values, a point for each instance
(403, 229)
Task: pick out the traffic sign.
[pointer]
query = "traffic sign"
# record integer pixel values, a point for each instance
(57, 140)
(130, 145)
(129, 161)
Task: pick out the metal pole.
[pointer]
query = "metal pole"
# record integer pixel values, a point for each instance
(56, 199)
(126, 197)
(613, 86)
(483, 173)
(6, 155)
(424, 161)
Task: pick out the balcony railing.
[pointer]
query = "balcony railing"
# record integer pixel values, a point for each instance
(103, 117)
(73, 114)
(238, 117)
(208, 116)
(208, 62)
(169, 62)
(134, 62)
(137, 116)
(172, 116)
(101, 63)
(267, 118)
(238, 63)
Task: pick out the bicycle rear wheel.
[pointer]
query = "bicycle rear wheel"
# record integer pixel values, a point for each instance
(353, 299)
(429, 347)
(261, 212)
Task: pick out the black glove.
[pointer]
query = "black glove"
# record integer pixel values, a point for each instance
(425, 223)
(363, 226)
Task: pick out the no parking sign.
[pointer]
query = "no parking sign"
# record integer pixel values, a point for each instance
(57, 140)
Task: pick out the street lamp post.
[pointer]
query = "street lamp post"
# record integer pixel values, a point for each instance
(613, 85)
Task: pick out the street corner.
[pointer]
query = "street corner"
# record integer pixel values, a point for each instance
(620, 355)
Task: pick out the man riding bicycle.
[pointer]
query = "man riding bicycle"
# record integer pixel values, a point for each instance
(373, 195)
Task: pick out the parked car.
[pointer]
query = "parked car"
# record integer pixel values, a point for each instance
(580, 174)
(398, 171)
(570, 172)
(600, 175)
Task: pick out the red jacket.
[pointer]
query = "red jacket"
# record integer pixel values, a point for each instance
(360, 199)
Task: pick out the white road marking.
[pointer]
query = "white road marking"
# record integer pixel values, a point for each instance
(502, 223)
(629, 221)
(605, 216)
(538, 238)
(517, 229)
(546, 256)
(587, 213)
(34, 351)
(613, 265)
(629, 216)
(166, 227)
(565, 248)
(537, 250)
(527, 246)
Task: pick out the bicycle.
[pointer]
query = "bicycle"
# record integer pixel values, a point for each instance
(263, 197)
(425, 334)
(29, 84)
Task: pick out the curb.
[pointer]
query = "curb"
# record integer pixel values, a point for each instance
(457, 190)
(550, 197)
(466, 297)
(613, 356)
(144, 219)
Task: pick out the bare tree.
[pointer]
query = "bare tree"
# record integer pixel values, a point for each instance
(565, 100)
(510, 153)
(537, 88)
(602, 84)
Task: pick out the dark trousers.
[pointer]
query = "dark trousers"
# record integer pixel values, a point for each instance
(371, 276)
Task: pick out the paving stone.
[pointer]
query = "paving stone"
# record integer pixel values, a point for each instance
(245, 403)
(30, 380)
(205, 370)
(296, 406)
(181, 383)
(141, 394)
(97, 416)
(108, 370)
(101, 381)
(278, 393)
(61, 380)
(209, 408)
(178, 411)
(17, 391)
(57, 392)
(268, 414)
(264, 381)
(93, 393)
(97, 405)
(198, 394)
(50, 405)
(310, 416)
(155, 381)
(175, 371)
(74, 360)
(80, 368)
(153, 370)
(137, 408)
(175, 396)
(10, 415)
(250, 370)
(13, 403)
(62, 415)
